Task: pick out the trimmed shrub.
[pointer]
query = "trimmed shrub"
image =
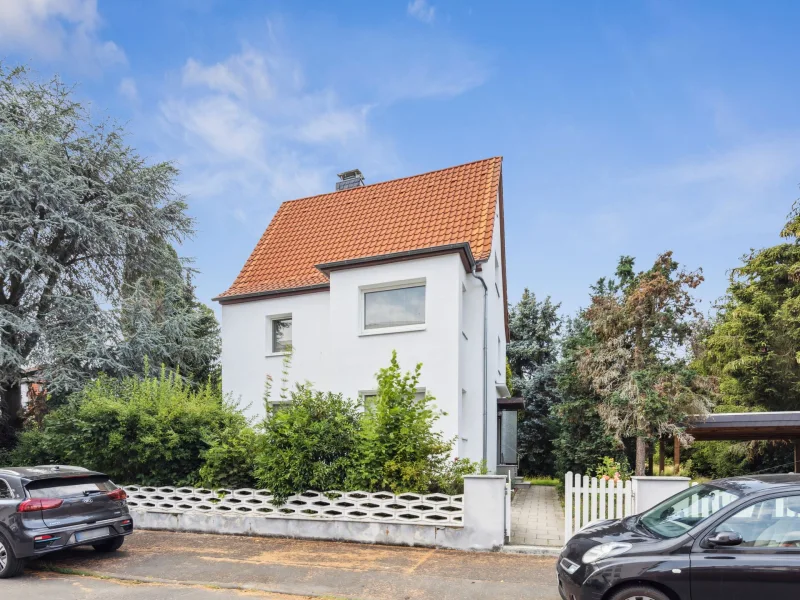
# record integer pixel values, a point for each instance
(308, 444)
(230, 461)
(151, 431)
(450, 477)
(398, 447)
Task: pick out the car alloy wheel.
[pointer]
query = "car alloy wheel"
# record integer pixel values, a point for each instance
(3, 556)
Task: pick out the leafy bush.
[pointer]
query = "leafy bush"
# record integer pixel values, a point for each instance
(611, 468)
(398, 447)
(308, 444)
(151, 431)
(450, 478)
(230, 461)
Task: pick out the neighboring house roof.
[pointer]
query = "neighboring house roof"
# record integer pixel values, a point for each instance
(451, 210)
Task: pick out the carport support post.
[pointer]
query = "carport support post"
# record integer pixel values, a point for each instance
(677, 457)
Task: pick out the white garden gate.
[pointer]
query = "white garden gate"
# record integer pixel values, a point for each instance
(588, 499)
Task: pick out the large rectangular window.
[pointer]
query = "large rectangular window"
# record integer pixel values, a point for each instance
(397, 307)
(281, 334)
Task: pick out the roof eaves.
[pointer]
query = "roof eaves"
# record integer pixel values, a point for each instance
(269, 293)
(462, 247)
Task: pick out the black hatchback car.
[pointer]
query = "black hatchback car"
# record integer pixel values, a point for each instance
(736, 539)
(48, 508)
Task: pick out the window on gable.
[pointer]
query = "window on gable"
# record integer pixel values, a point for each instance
(281, 334)
(395, 307)
(497, 274)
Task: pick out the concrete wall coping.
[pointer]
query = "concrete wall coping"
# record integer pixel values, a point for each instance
(663, 478)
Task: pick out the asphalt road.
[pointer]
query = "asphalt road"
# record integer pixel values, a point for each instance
(176, 565)
(50, 586)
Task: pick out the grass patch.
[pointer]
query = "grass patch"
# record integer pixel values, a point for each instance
(548, 481)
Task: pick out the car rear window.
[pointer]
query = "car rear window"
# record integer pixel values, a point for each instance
(66, 487)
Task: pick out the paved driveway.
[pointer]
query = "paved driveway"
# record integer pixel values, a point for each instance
(300, 568)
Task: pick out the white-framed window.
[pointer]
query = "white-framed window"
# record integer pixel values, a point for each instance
(369, 397)
(393, 307)
(497, 274)
(464, 310)
(279, 333)
(501, 359)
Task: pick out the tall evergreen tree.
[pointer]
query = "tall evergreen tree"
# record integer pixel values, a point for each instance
(532, 354)
(77, 205)
(754, 346)
(581, 440)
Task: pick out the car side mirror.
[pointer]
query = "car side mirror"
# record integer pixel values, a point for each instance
(725, 538)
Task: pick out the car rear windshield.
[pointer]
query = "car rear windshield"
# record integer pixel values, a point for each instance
(67, 487)
(680, 513)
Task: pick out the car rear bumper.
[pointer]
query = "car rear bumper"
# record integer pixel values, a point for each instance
(27, 546)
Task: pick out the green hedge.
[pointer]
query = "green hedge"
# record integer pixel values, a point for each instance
(153, 431)
(158, 431)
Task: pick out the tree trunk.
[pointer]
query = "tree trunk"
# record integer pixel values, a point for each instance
(10, 413)
(661, 456)
(650, 452)
(641, 455)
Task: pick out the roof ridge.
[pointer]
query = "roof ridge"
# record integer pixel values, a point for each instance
(361, 187)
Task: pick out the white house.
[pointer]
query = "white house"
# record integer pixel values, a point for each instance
(415, 265)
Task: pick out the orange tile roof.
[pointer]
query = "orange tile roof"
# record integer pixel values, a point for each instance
(440, 208)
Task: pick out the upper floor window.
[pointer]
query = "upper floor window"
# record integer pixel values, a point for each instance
(281, 334)
(397, 306)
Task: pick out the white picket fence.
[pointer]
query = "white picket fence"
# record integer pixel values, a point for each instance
(589, 499)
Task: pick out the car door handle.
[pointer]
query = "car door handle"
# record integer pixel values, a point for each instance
(720, 557)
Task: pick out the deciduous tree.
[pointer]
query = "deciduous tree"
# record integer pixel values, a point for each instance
(643, 325)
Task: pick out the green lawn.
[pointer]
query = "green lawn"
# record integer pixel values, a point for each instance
(549, 481)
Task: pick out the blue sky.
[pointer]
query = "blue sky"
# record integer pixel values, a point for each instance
(627, 127)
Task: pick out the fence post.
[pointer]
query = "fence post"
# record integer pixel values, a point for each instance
(569, 505)
(603, 490)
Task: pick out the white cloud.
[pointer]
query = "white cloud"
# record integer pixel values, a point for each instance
(128, 89)
(57, 30)
(422, 11)
(241, 75)
(248, 127)
(755, 164)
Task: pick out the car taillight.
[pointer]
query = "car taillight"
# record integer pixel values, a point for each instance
(36, 504)
(118, 494)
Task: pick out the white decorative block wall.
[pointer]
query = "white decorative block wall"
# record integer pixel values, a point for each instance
(431, 509)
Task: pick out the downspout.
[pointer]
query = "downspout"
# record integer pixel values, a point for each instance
(485, 362)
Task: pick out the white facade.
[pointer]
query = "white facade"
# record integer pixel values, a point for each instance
(332, 350)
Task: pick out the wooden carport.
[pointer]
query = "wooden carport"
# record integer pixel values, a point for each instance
(744, 427)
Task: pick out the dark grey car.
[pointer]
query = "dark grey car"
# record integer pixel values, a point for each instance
(48, 508)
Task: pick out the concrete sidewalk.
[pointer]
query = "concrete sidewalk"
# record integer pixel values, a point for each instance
(317, 569)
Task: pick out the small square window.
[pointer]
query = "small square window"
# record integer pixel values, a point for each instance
(281, 334)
